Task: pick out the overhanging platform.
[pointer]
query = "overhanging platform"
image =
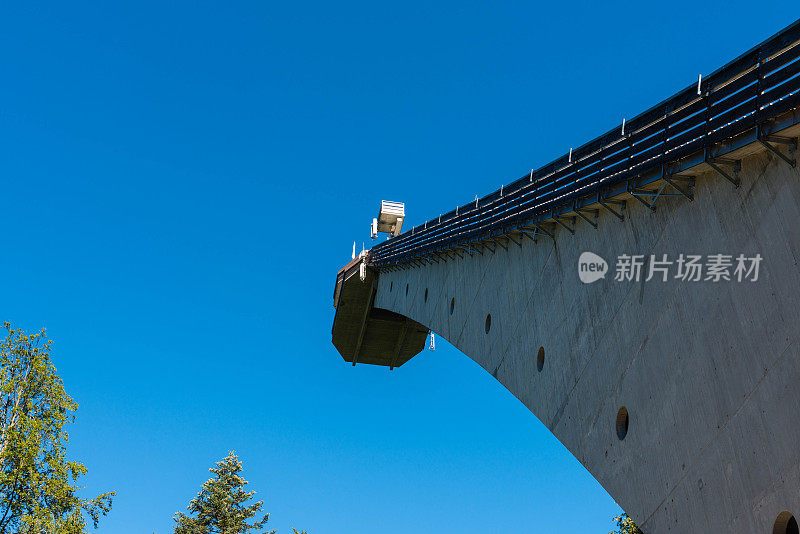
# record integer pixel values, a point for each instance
(365, 334)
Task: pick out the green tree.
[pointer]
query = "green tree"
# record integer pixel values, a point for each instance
(38, 492)
(625, 525)
(221, 506)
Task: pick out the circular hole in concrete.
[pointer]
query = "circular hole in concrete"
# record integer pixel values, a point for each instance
(406, 289)
(426, 294)
(540, 359)
(622, 423)
(452, 305)
(785, 523)
(488, 324)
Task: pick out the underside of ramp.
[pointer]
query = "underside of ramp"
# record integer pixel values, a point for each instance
(365, 334)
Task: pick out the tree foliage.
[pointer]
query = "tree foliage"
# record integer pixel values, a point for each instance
(625, 525)
(221, 506)
(37, 483)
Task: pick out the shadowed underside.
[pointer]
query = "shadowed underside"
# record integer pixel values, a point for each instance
(363, 333)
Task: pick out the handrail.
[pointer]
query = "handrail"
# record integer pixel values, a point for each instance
(755, 87)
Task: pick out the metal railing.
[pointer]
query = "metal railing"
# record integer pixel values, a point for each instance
(750, 90)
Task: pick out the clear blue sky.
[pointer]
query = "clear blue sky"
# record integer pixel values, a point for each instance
(180, 183)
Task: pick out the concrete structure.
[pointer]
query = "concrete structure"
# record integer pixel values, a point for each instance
(681, 397)
(364, 333)
(709, 372)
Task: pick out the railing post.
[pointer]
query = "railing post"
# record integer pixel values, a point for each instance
(759, 78)
(705, 93)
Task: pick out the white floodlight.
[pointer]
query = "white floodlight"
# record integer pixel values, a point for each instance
(390, 217)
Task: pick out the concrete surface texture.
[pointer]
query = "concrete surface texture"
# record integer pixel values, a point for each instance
(708, 372)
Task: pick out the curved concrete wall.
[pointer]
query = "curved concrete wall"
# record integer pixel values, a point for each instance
(709, 372)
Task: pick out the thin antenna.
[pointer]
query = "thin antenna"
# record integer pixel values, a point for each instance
(623, 126)
(531, 175)
(570, 156)
(699, 81)
(354, 250)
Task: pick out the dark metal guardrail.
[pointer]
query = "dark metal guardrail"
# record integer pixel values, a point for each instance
(754, 88)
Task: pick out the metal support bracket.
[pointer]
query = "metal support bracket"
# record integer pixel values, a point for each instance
(570, 229)
(639, 193)
(470, 249)
(688, 180)
(543, 231)
(585, 214)
(500, 243)
(735, 164)
(781, 139)
(607, 205)
(519, 243)
(537, 231)
(765, 140)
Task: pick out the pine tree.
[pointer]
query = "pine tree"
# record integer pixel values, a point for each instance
(221, 506)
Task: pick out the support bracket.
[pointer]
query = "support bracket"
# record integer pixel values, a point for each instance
(538, 230)
(734, 164)
(470, 249)
(570, 229)
(519, 243)
(766, 141)
(544, 231)
(671, 179)
(585, 214)
(638, 193)
(500, 243)
(608, 203)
